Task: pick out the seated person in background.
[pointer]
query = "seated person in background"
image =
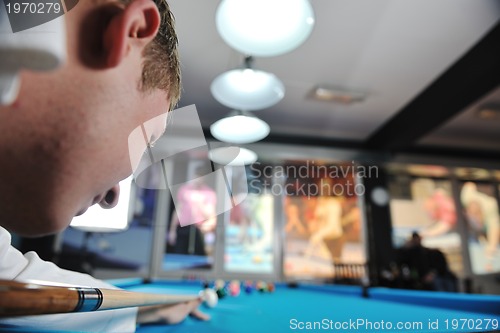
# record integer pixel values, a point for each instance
(425, 268)
(64, 142)
(442, 278)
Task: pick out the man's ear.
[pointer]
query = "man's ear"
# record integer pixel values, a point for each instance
(134, 26)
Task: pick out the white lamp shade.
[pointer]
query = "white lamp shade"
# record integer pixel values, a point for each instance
(264, 27)
(247, 89)
(98, 219)
(232, 156)
(240, 129)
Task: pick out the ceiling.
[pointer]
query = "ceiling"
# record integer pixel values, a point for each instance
(425, 67)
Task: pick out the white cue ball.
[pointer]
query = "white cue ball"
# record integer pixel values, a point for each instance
(209, 297)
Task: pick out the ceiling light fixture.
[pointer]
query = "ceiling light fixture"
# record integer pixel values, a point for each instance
(247, 88)
(489, 111)
(240, 127)
(264, 27)
(232, 156)
(331, 94)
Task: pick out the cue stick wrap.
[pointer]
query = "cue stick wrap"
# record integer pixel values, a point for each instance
(24, 299)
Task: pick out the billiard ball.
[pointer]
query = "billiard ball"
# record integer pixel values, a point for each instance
(209, 297)
(248, 287)
(270, 287)
(248, 290)
(219, 284)
(234, 288)
(220, 288)
(261, 286)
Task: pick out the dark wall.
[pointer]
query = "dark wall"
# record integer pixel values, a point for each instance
(379, 231)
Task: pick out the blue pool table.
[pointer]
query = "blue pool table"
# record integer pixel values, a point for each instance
(332, 308)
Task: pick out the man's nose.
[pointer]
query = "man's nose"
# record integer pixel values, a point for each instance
(110, 199)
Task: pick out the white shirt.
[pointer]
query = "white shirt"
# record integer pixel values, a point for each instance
(16, 266)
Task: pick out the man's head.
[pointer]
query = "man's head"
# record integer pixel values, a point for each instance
(64, 142)
(416, 239)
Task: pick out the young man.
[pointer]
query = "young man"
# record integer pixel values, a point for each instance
(64, 141)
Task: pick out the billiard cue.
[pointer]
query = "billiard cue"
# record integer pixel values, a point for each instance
(24, 299)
